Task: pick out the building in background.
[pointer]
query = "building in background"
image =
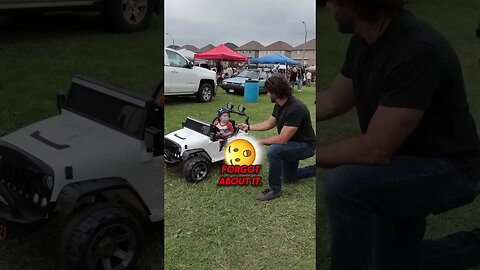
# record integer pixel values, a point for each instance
(280, 47)
(310, 52)
(251, 49)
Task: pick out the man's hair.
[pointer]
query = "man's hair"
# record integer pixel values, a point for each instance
(370, 10)
(278, 85)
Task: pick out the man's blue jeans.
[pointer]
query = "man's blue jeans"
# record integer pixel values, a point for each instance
(456, 251)
(283, 162)
(377, 213)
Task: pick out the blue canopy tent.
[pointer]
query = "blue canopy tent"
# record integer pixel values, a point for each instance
(275, 58)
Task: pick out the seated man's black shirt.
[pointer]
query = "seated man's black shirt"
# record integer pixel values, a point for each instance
(412, 66)
(294, 113)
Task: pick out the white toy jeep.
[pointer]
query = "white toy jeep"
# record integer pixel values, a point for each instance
(195, 146)
(98, 164)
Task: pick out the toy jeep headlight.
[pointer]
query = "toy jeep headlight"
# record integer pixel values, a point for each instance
(36, 198)
(47, 182)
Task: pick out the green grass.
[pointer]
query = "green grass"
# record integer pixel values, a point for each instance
(211, 227)
(38, 59)
(457, 20)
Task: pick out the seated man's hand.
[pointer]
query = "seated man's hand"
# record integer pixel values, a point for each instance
(242, 126)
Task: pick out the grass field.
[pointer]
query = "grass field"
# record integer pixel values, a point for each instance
(211, 227)
(457, 20)
(39, 58)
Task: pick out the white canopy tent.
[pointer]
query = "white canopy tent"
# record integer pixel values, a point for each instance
(187, 53)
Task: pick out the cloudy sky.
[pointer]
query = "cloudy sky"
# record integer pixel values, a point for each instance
(200, 22)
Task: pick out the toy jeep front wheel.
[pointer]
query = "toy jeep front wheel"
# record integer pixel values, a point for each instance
(196, 169)
(102, 238)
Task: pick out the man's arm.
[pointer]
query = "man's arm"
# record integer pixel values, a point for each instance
(285, 135)
(265, 125)
(336, 100)
(388, 129)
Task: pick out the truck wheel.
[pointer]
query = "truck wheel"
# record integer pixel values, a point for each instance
(196, 169)
(205, 92)
(129, 15)
(103, 238)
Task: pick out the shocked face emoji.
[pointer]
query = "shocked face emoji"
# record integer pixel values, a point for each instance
(239, 152)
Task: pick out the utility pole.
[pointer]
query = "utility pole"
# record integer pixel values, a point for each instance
(173, 40)
(304, 44)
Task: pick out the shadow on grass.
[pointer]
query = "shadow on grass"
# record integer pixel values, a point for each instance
(172, 100)
(28, 26)
(153, 253)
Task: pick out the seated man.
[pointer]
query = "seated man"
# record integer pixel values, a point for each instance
(294, 142)
(419, 151)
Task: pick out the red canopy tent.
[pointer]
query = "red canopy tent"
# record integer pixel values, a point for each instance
(221, 52)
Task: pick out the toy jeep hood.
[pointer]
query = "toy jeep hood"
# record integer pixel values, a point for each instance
(72, 140)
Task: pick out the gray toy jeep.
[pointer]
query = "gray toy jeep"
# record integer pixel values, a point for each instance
(98, 165)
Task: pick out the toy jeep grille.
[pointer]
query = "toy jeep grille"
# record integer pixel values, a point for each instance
(172, 149)
(24, 185)
(16, 179)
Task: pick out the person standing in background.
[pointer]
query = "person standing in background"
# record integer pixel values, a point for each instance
(293, 78)
(300, 78)
(309, 78)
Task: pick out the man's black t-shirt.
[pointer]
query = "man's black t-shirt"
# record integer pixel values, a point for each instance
(412, 66)
(295, 113)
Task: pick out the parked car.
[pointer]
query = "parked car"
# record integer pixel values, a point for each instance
(237, 84)
(183, 78)
(123, 15)
(98, 165)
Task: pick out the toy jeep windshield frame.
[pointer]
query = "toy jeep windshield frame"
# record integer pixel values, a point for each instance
(110, 106)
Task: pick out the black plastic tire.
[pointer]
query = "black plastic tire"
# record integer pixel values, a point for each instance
(129, 15)
(205, 92)
(100, 235)
(196, 169)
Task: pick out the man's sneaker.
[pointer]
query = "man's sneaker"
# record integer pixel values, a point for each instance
(268, 194)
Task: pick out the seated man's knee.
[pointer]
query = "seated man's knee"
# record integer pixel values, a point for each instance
(339, 181)
(274, 150)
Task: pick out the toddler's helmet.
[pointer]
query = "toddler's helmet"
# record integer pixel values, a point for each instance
(222, 111)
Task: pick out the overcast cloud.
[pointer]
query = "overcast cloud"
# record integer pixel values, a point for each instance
(200, 22)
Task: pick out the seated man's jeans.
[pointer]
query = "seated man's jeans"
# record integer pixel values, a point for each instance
(283, 162)
(377, 212)
(456, 251)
